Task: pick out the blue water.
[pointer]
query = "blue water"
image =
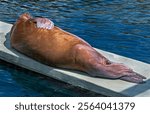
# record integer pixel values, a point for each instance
(118, 26)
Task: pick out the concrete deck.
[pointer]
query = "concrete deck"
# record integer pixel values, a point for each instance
(102, 86)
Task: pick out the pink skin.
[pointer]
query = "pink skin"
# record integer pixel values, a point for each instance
(93, 62)
(44, 23)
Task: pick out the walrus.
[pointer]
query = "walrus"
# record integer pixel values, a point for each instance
(38, 38)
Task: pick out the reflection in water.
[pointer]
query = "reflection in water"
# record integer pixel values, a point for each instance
(119, 26)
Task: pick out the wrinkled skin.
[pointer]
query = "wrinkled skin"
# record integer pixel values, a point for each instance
(39, 39)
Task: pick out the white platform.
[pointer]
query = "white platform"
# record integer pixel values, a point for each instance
(103, 86)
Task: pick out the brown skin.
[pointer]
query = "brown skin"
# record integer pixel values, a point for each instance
(58, 48)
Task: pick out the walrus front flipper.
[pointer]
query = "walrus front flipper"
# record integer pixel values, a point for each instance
(136, 78)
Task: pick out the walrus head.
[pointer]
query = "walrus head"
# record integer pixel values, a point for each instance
(27, 27)
(38, 22)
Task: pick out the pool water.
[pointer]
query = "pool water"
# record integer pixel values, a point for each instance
(118, 26)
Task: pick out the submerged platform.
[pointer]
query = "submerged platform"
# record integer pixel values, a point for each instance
(103, 86)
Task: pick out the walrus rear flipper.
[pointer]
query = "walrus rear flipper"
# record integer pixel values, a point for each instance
(120, 71)
(97, 65)
(137, 78)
